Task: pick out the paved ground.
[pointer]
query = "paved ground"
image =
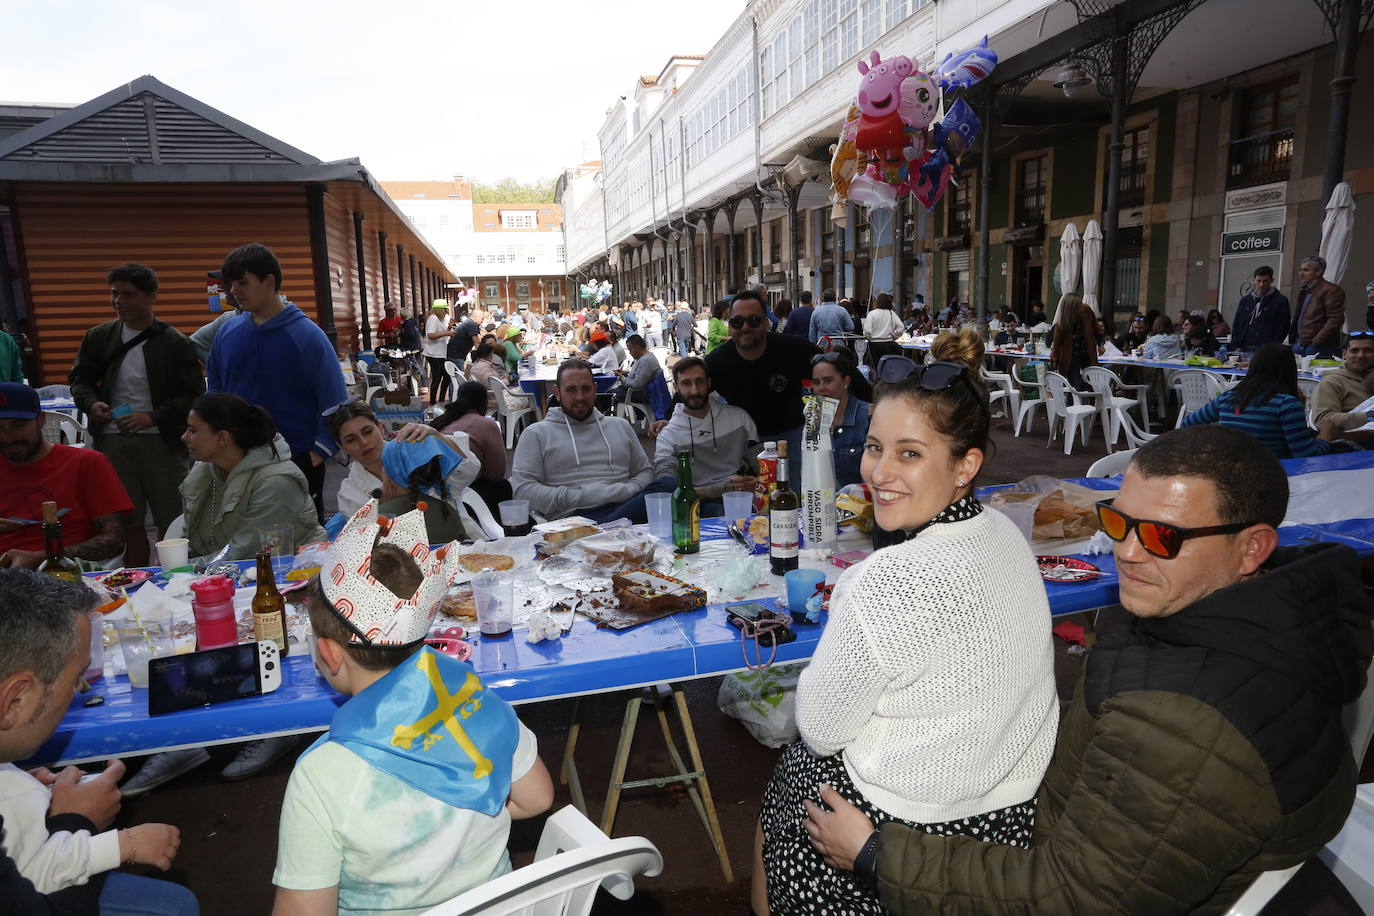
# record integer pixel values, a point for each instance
(229, 829)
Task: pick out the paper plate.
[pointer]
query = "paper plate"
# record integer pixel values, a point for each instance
(124, 578)
(1066, 569)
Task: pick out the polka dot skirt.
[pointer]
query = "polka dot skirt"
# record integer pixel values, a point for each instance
(799, 881)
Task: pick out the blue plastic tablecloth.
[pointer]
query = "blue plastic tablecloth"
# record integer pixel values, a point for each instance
(587, 660)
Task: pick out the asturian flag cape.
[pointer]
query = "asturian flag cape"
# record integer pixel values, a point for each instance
(430, 722)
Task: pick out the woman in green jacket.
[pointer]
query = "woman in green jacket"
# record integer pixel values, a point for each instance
(717, 331)
(243, 483)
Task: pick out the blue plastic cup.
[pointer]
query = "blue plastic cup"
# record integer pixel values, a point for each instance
(801, 585)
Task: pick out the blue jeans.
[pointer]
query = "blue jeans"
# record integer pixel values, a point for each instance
(133, 895)
(684, 346)
(1314, 350)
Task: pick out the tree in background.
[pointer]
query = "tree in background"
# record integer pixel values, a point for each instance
(513, 191)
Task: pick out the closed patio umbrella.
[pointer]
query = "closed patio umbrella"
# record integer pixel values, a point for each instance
(1337, 229)
(1092, 264)
(1070, 260)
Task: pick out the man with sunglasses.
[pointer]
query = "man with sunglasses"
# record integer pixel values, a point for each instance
(1343, 390)
(762, 371)
(1205, 743)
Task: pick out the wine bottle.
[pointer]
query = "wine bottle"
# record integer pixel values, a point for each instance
(686, 508)
(784, 522)
(269, 607)
(55, 560)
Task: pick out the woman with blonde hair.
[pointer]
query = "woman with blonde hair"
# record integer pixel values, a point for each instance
(930, 699)
(1073, 340)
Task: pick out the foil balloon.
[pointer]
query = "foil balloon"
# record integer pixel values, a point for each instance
(949, 140)
(844, 158)
(918, 99)
(867, 191)
(881, 131)
(964, 69)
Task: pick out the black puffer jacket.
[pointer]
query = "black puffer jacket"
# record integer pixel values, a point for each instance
(1200, 750)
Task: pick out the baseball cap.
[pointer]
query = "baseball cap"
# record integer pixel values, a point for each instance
(599, 335)
(439, 304)
(18, 401)
(512, 333)
(215, 274)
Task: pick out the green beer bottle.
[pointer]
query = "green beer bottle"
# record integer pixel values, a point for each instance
(686, 508)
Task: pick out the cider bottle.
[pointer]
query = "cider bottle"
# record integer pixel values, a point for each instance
(269, 607)
(55, 560)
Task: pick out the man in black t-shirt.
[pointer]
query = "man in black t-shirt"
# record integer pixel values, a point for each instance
(761, 371)
(465, 336)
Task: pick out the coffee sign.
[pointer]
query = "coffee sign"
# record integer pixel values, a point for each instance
(1258, 241)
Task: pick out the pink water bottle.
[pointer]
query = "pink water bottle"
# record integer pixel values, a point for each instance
(213, 606)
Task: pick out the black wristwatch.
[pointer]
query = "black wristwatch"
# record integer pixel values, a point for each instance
(866, 862)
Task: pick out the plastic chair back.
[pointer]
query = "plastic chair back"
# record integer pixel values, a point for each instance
(574, 858)
(1111, 465)
(480, 511)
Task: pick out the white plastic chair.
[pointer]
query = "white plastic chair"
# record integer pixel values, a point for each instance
(1195, 387)
(511, 409)
(573, 859)
(455, 376)
(1077, 417)
(1359, 726)
(1106, 383)
(63, 429)
(1135, 436)
(1001, 388)
(1111, 465)
(373, 381)
(1031, 395)
(1308, 387)
(637, 414)
(479, 510)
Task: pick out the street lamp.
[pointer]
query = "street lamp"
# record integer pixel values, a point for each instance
(1072, 78)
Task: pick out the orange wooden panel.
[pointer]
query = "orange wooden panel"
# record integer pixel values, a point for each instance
(72, 233)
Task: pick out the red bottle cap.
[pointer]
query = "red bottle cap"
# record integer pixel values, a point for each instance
(213, 589)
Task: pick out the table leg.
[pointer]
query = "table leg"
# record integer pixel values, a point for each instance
(567, 774)
(688, 779)
(622, 756)
(714, 824)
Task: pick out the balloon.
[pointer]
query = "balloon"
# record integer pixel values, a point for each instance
(872, 193)
(844, 161)
(957, 131)
(880, 124)
(919, 99)
(965, 68)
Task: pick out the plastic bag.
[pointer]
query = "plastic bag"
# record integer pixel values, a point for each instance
(765, 701)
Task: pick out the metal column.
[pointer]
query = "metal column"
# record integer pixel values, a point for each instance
(319, 262)
(401, 277)
(1346, 26)
(757, 199)
(1111, 218)
(364, 319)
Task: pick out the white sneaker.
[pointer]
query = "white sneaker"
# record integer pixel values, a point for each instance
(160, 768)
(256, 756)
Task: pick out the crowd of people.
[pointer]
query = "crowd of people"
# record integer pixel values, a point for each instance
(934, 772)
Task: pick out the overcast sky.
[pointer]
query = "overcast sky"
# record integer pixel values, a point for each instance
(415, 88)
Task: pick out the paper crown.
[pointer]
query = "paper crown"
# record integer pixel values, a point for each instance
(376, 616)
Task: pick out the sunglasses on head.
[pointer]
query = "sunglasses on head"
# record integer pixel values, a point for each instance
(351, 405)
(831, 357)
(936, 376)
(1361, 334)
(740, 321)
(1158, 538)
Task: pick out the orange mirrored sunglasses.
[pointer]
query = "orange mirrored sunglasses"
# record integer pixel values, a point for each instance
(1158, 538)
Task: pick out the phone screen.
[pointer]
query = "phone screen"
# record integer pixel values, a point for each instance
(178, 682)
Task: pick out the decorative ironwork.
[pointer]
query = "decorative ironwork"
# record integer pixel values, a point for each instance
(1098, 21)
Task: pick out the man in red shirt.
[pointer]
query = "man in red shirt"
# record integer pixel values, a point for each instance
(34, 471)
(390, 327)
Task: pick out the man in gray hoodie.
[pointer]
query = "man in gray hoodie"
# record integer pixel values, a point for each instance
(577, 461)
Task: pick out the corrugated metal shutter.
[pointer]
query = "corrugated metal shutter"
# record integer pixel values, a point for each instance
(72, 234)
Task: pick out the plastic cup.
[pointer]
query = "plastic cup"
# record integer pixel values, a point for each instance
(141, 641)
(514, 512)
(493, 593)
(739, 504)
(282, 542)
(173, 553)
(659, 507)
(801, 585)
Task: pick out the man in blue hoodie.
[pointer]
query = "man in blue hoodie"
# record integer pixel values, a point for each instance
(280, 360)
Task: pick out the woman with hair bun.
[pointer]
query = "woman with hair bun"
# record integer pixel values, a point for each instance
(243, 482)
(930, 699)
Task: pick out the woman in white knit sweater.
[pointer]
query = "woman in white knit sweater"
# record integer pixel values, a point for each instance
(931, 697)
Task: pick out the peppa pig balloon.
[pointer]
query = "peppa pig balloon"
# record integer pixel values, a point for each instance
(880, 122)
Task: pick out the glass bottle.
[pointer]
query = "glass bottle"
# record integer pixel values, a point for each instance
(686, 508)
(55, 560)
(784, 521)
(269, 607)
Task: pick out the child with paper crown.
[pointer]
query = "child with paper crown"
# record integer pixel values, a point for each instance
(407, 800)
